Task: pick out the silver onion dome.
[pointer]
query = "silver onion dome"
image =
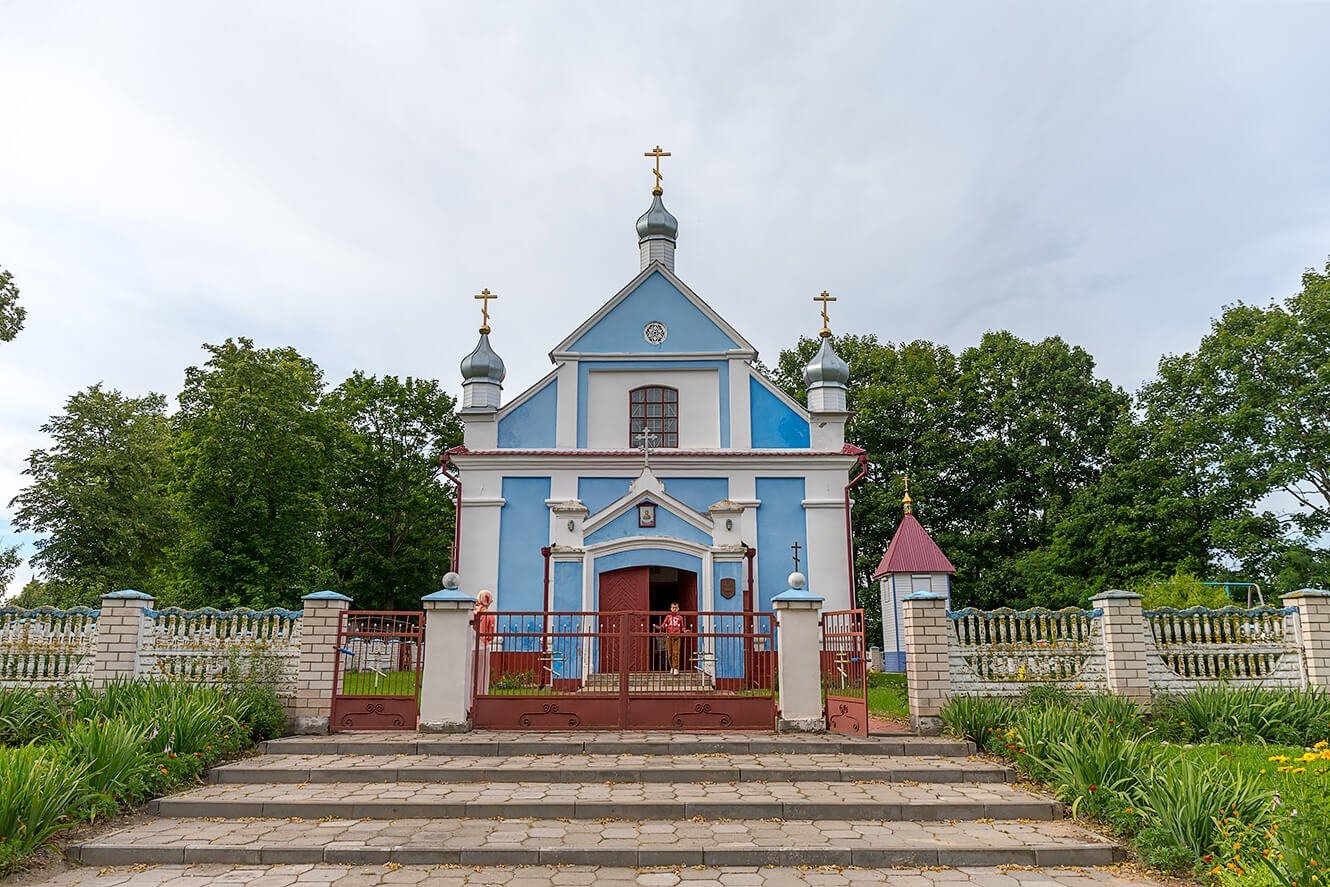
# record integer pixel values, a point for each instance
(482, 364)
(826, 367)
(657, 222)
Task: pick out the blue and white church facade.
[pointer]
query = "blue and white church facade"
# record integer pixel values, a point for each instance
(654, 464)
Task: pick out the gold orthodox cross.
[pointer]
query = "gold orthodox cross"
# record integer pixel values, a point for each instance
(484, 296)
(826, 320)
(657, 153)
(796, 548)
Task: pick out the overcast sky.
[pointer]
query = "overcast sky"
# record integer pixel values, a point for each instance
(342, 177)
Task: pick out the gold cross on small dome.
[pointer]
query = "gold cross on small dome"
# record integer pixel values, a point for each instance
(484, 296)
(826, 320)
(657, 153)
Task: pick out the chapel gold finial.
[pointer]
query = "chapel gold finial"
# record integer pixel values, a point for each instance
(485, 296)
(826, 320)
(657, 153)
(907, 501)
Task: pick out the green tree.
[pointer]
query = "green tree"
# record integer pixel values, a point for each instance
(99, 493)
(9, 564)
(250, 477)
(1253, 403)
(12, 314)
(389, 521)
(995, 441)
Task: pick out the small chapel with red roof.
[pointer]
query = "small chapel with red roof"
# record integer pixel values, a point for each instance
(913, 562)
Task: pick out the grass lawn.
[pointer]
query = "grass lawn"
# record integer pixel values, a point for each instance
(368, 683)
(886, 696)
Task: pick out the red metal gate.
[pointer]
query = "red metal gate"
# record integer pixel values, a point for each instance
(376, 673)
(845, 672)
(623, 670)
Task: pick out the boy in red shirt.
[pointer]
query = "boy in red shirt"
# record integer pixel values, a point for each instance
(672, 625)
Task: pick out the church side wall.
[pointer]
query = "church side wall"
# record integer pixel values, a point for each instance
(780, 524)
(524, 527)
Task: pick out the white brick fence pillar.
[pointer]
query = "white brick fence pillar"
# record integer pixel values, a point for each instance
(445, 681)
(309, 710)
(1313, 621)
(1124, 628)
(119, 636)
(799, 658)
(927, 664)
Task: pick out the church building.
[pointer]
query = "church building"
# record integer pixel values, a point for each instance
(654, 464)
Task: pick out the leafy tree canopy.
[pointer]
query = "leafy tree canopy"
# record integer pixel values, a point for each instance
(12, 314)
(99, 494)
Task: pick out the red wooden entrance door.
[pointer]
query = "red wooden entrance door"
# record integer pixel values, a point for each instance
(620, 591)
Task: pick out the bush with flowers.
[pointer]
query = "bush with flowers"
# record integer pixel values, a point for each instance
(74, 754)
(1236, 813)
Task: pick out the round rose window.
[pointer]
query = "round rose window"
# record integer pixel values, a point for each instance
(654, 332)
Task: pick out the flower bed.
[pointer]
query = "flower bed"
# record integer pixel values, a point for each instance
(73, 754)
(1191, 783)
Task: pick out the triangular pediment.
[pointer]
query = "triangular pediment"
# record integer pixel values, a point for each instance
(691, 326)
(648, 488)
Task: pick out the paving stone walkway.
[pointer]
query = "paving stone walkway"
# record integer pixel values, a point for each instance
(572, 808)
(326, 875)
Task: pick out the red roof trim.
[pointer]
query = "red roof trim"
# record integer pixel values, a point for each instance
(912, 550)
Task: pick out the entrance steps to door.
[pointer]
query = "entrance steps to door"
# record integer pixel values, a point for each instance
(612, 742)
(787, 767)
(607, 799)
(592, 800)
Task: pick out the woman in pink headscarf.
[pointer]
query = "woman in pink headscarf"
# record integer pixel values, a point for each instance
(483, 622)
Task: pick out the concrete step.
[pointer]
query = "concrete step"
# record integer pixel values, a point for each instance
(584, 800)
(618, 843)
(788, 767)
(509, 743)
(340, 875)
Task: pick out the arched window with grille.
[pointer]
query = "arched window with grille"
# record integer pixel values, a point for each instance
(653, 408)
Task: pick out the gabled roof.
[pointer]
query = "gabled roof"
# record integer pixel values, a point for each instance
(912, 550)
(568, 344)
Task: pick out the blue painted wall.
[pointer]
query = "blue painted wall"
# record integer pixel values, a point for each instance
(774, 425)
(689, 330)
(698, 493)
(585, 367)
(667, 524)
(567, 591)
(729, 651)
(532, 424)
(524, 527)
(598, 492)
(780, 523)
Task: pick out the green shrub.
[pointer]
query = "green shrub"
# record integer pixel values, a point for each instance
(1097, 772)
(1045, 695)
(115, 755)
(1115, 713)
(1038, 729)
(1182, 591)
(1223, 713)
(1185, 802)
(28, 715)
(38, 789)
(258, 708)
(981, 719)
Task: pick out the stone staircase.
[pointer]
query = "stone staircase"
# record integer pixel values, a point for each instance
(606, 799)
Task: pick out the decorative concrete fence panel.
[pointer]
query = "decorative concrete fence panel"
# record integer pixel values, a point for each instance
(216, 646)
(1004, 652)
(46, 646)
(1238, 646)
